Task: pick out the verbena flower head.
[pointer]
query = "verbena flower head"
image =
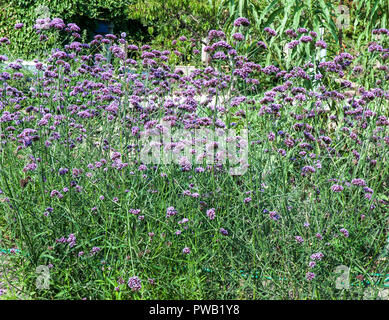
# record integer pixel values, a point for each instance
(291, 33)
(213, 34)
(270, 31)
(358, 182)
(302, 30)
(293, 44)
(241, 22)
(310, 276)
(19, 25)
(220, 55)
(321, 44)
(337, 188)
(261, 44)
(306, 39)
(134, 283)
(73, 27)
(299, 239)
(317, 256)
(211, 213)
(274, 216)
(71, 240)
(94, 250)
(308, 169)
(57, 23)
(224, 232)
(170, 211)
(345, 232)
(238, 36)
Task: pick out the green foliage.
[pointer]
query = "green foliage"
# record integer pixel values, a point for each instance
(368, 15)
(365, 15)
(84, 13)
(99, 9)
(158, 21)
(282, 15)
(166, 20)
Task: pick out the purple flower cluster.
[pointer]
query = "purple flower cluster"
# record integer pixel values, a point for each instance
(134, 283)
(211, 214)
(345, 232)
(19, 25)
(241, 22)
(170, 211)
(270, 31)
(71, 239)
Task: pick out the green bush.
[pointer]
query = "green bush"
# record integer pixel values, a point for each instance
(86, 14)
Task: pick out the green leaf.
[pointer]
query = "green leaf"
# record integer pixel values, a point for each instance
(297, 15)
(271, 18)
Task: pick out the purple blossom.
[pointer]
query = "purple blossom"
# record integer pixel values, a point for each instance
(224, 232)
(241, 22)
(308, 169)
(270, 31)
(94, 251)
(71, 240)
(337, 188)
(211, 213)
(306, 39)
(358, 182)
(291, 33)
(299, 239)
(293, 44)
(184, 220)
(321, 44)
(30, 167)
(19, 25)
(310, 276)
(213, 34)
(247, 200)
(134, 283)
(170, 211)
(271, 136)
(274, 216)
(219, 55)
(317, 256)
(261, 44)
(238, 36)
(345, 232)
(302, 30)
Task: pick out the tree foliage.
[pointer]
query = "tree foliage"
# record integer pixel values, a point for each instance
(84, 13)
(167, 19)
(159, 21)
